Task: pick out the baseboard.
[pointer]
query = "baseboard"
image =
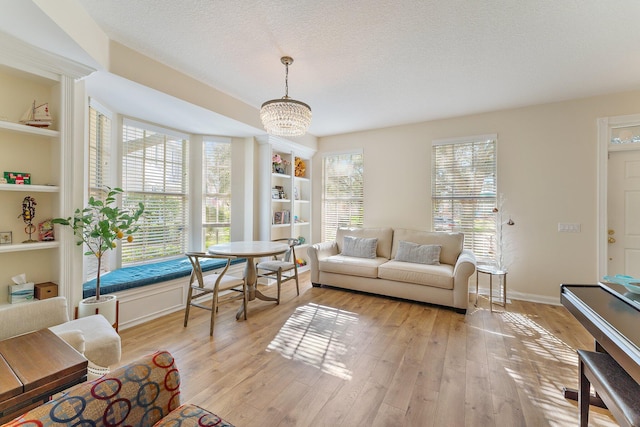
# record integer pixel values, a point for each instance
(521, 296)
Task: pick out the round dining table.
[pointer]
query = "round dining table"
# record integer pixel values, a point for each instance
(250, 250)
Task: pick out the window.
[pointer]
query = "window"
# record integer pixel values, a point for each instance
(216, 204)
(154, 172)
(99, 174)
(343, 193)
(464, 192)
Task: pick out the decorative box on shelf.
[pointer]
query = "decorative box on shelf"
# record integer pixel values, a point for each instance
(46, 290)
(17, 177)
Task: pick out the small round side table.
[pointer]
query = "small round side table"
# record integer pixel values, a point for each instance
(493, 271)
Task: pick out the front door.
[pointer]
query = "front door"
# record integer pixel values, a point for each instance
(623, 213)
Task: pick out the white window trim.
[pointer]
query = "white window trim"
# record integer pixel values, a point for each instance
(465, 139)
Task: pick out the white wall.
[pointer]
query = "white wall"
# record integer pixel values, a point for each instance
(546, 171)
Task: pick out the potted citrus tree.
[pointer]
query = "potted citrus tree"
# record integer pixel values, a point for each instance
(99, 227)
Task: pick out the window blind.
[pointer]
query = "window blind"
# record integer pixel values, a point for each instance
(464, 192)
(99, 176)
(216, 206)
(154, 172)
(343, 193)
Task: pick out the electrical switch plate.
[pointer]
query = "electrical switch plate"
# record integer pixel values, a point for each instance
(568, 227)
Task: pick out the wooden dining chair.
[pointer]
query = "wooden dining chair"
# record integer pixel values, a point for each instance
(201, 285)
(283, 266)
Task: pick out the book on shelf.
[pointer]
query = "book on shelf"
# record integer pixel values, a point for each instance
(282, 217)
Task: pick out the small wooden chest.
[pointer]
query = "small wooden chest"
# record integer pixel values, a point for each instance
(46, 290)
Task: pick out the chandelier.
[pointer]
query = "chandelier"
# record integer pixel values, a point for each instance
(285, 116)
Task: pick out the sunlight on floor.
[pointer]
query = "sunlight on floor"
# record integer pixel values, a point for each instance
(549, 355)
(539, 340)
(318, 336)
(486, 331)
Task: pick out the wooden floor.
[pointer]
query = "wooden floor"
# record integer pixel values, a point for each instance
(338, 358)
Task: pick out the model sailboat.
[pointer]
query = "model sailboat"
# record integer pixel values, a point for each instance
(37, 116)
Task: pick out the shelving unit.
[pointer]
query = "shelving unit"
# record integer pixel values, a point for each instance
(297, 194)
(28, 73)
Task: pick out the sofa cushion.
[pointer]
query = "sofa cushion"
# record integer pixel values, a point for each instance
(440, 276)
(359, 247)
(351, 266)
(451, 243)
(421, 254)
(138, 394)
(384, 236)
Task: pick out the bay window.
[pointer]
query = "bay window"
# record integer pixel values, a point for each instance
(155, 172)
(216, 204)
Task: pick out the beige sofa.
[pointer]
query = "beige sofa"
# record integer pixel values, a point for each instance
(444, 282)
(92, 336)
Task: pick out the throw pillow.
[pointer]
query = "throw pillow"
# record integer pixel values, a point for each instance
(421, 254)
(359, 247)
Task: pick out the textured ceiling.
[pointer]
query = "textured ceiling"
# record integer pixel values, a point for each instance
(376, 63)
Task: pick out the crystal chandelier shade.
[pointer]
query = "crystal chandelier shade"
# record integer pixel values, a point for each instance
(285, 116)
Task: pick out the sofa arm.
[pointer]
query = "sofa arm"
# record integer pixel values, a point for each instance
(73, 337)
(318, 252)
(102, 344)
(462, 271)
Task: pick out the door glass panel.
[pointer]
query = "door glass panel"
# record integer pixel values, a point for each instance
(625, 135)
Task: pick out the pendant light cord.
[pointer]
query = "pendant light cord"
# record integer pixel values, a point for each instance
(286, 81)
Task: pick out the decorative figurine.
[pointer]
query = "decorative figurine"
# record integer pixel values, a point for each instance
(28, 213)
(45, 231)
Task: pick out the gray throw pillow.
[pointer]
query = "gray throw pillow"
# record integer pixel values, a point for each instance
(421, 254)
(359, 247)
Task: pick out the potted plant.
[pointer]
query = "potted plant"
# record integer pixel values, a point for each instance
(99, 226)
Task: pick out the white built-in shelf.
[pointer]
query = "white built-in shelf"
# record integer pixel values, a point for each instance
(18, 127)
(302, 223)
(281, 225)
(281, 175)
(302, 201)
(18, 247)
(30, 188)
(281, 200)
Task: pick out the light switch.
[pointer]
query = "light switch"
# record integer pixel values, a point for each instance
(568, 227)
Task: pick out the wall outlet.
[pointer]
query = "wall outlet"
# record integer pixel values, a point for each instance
(568, 227)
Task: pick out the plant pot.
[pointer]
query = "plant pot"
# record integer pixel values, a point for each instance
(107, 306)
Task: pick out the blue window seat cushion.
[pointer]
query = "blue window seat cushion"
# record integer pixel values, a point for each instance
(147, 274)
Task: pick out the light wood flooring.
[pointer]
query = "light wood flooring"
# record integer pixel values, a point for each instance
(337, 358)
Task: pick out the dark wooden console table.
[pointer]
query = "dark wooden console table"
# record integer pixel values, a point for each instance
(33, 367)
(611, 315)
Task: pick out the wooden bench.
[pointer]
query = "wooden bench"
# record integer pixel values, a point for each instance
(614, 385)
